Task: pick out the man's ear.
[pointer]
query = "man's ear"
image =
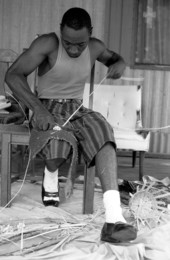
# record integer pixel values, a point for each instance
(91, 30)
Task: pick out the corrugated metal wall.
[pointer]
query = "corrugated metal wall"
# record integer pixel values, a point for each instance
(21, 20)
(156, 83)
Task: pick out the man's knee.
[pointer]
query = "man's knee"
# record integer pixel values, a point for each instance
(108, 146)
(54, 164)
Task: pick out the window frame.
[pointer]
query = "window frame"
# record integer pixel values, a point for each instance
(134, 46)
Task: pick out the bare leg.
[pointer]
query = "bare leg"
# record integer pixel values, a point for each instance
(50, 192)
(53, 164)
(50, 181)
(106, 166)
(115, 229)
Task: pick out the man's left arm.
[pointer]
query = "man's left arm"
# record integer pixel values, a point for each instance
(115, 63)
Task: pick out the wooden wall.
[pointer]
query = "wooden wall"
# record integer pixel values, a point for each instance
(21, 20)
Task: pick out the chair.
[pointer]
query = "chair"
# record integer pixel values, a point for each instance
(121, 106)
(19, 135)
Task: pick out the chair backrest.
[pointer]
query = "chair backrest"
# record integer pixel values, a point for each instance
(119, 104)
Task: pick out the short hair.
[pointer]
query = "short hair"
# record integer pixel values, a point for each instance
(76, 18)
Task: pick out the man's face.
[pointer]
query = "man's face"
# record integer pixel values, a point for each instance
(74, 41)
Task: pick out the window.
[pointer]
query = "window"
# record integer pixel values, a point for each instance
(152, 34)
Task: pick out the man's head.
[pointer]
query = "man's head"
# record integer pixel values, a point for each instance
(75, 31)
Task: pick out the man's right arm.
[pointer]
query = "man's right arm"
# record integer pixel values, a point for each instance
(16, 78)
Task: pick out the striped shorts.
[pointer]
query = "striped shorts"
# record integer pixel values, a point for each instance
(90, 128)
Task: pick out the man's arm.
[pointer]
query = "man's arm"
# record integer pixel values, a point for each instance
(115, 63)
(16, 78)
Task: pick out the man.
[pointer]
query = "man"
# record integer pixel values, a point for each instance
(64, 63)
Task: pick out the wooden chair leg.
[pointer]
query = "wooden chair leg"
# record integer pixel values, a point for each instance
(5, 169)
(134, 158)
(141, 164)
(88, 194)
(22, 151)
(20, 165)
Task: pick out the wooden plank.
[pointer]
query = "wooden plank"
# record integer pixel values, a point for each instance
(91, 96)
(5, 170)
(12, 128)
(88, 195)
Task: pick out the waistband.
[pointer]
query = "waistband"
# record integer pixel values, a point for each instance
(64, 100)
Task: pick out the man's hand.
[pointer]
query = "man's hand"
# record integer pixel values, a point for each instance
(42, 119)
(115, 63)
(116, 70)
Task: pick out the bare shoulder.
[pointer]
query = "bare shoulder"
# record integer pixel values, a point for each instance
(99, 51)
(97, 47)
(45, 43)
(41, 49)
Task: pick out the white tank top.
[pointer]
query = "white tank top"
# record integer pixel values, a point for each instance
(67, 78)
